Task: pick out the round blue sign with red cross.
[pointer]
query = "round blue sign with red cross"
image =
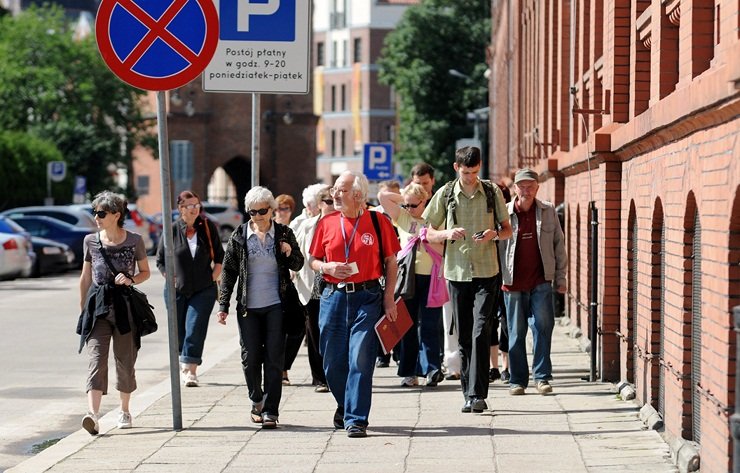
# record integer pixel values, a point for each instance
(157, 44)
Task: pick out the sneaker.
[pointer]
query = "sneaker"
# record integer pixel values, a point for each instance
(124, 420)
(410, 381)
(191, 380)
(516, 390)
(505, 376)
(90, 423)
(493, 375)
(321, 388)
(434, 378)
(269, 421)
(356, 431)
(478, 405)
(381, 363)
(543, 387)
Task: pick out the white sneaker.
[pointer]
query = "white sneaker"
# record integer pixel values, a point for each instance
(90, 423)
(124, 420)
(410, 381)
(191, 380)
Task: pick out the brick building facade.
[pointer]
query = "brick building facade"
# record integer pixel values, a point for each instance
(656, 147)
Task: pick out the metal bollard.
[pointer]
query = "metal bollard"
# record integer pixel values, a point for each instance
(735, 418)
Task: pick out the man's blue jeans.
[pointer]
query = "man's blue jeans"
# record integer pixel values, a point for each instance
(349, 345)
(193, 314)
(534, 309)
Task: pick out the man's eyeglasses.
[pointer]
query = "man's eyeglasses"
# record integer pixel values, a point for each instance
(410, 206)
(253, 212)
(191, 206)
(283, 209)
(100, 213)
(328, 201)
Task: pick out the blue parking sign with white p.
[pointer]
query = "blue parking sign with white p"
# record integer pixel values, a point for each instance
(56, 170)
(257, 20)
(377, 161)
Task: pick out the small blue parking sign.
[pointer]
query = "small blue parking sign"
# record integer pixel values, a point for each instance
(377, 161)
(56, 170)
(257, 20)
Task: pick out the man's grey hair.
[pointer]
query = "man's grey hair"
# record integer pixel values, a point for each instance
(359, 184)
(259, 195)
(311, 195)
(111, 202)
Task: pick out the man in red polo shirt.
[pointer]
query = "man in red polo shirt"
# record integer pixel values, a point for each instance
(346, 250)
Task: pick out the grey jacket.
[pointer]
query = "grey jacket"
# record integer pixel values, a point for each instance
(550, 240)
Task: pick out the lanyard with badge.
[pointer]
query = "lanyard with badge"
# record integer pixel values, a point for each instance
(348, 244)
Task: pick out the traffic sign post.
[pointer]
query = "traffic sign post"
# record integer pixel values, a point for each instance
(55, 171)
(377, 161)
(263, 47)
(160, 45)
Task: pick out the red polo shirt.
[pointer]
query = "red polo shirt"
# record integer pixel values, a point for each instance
(328, 244)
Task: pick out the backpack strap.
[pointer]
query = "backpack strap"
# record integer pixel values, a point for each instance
(376, 224)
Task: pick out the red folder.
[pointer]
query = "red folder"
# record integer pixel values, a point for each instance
(390, 332)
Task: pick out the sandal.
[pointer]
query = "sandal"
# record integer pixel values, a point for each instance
(269, 422)
(256, 415)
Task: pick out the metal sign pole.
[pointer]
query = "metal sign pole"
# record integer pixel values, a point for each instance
(169, 259)
(255, 140)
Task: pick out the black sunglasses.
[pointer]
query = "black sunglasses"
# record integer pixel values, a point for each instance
(253, 212)
(100, 213)
(410, 206)
(328, 201)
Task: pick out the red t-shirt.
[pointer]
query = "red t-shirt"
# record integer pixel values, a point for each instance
(328, 244)
(528, 270)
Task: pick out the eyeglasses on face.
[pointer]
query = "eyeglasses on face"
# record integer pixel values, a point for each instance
(191, 206)
(283, 209)
(410, 206)
(253, 212)
(328, 201)
(100, 213)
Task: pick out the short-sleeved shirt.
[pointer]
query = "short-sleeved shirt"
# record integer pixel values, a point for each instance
(465, 259)
(263, 286)
(328, 244)
(123, 257)
(529, 271)
(409, 227)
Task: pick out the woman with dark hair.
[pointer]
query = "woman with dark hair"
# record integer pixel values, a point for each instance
(111, 257)
(198, 257)
(259, 257)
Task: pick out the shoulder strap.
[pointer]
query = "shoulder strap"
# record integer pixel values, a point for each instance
(449, 199)
(490, 199)
(376, 224)
(208, 234)
(106, 258)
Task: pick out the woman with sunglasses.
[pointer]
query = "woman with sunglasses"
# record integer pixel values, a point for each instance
(419, 348)
(198, 257)
(310, 283)
(259, 257)
(111, 257)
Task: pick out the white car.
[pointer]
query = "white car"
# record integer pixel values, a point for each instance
(77, 215)
(14, 258)
(228, 217)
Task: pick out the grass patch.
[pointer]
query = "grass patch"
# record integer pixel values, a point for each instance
(40, 447)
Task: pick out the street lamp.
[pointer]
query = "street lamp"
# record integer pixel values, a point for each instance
(459, 75)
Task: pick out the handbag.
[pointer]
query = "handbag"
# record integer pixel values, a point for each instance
(142, 311)
(294, 313)
(438, 294)
(406, 280)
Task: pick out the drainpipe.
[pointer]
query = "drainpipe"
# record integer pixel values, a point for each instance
(735, 418)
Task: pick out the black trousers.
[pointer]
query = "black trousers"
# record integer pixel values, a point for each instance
(472, 311)
(315, 360)
(263, 346)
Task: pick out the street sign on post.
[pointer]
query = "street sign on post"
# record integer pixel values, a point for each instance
(263, 47)
(377, 161)
(57, 170)
(157, 44)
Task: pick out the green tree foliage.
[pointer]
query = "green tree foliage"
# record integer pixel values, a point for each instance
(23, 162)
(57, 88)
(432, 38)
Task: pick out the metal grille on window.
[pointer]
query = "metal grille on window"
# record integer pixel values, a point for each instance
(696, 333)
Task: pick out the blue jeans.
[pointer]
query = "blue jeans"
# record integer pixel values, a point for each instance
(349, 345)
(533, 308)
(193, 314)
(419, 348)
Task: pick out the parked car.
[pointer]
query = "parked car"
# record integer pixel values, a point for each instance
(135, 222)
(156, 220)
(14, 257)
(228, 217)
(78, 217)
(9, 226)
(51, 257)
(56, 230)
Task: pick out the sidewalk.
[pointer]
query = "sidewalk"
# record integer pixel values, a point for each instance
(581, 427)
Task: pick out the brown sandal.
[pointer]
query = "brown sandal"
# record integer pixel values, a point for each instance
(256, 415)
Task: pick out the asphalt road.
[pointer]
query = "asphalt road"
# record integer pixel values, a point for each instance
(42, 387)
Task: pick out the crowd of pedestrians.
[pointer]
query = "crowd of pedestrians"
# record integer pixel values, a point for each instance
(474, 267)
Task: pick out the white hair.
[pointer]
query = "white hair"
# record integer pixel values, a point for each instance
(259, 195)
(311, 195)
(359, 184)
